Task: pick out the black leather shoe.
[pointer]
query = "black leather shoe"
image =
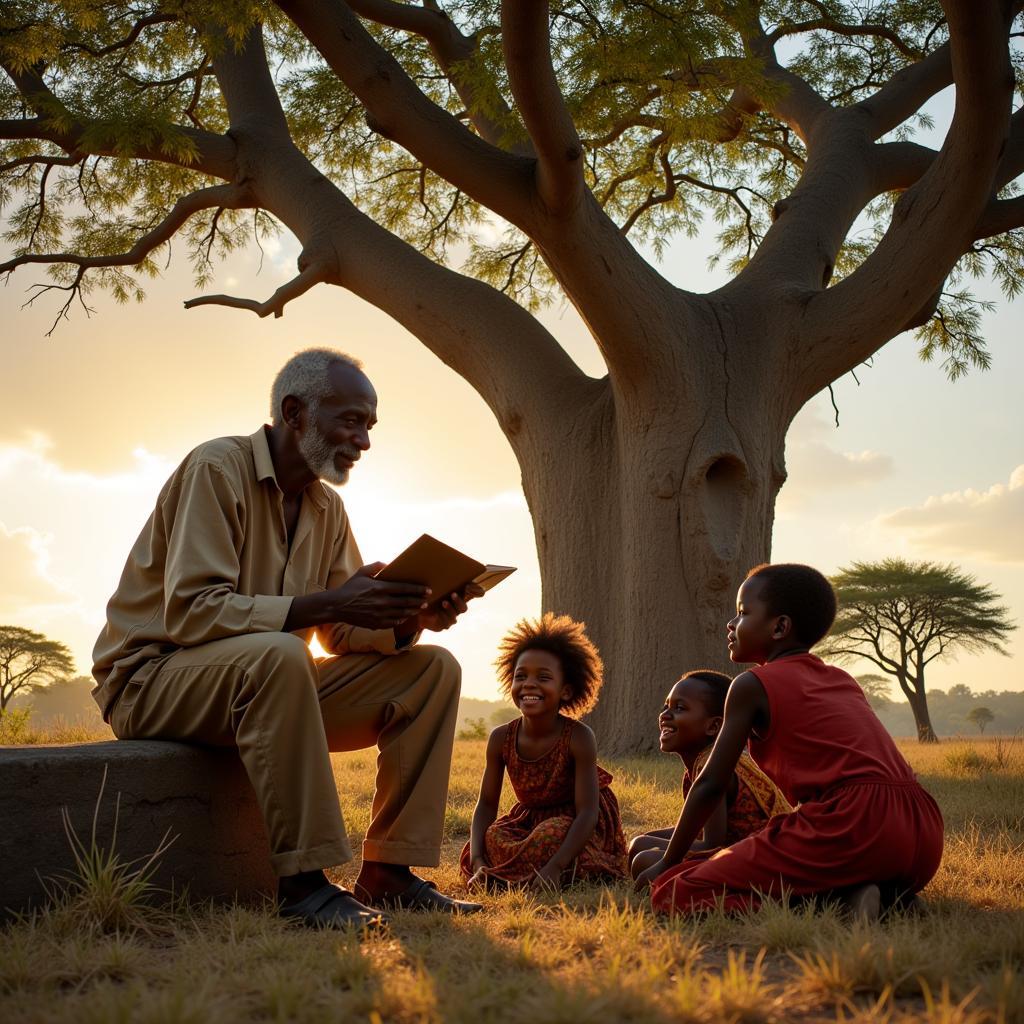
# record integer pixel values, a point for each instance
(330, 906)
(422, 896)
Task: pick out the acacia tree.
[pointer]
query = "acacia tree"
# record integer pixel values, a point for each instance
(393, 139)
(981, 717)
(29, 660)
(876, 688)
(902, 615)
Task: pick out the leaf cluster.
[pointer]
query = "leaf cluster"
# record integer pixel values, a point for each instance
(901, 615)
(651, 85)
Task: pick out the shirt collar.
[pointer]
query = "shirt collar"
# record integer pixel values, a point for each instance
(264, 465)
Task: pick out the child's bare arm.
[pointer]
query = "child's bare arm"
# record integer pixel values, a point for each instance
(583, 748)
(714, 828)
(490, 793)
(745, 704)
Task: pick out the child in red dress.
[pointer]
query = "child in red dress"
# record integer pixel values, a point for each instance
(565, 824)
(689, 723)
(863, 821)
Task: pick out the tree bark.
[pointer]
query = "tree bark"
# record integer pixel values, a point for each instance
(922, 718)
(647, 515)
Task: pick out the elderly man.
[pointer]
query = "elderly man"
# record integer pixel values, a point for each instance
(245, 556)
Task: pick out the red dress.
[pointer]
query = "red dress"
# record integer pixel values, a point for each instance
(862, 816)
(521, 842)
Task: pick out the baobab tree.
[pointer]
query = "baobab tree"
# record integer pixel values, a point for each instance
(394, 140)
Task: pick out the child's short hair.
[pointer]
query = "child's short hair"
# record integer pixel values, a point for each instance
(802, 593)
(716, 686)
(582, 668)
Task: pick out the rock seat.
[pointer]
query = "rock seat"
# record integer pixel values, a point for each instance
(203, 796)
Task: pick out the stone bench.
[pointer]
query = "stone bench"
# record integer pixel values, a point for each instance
(203, 796)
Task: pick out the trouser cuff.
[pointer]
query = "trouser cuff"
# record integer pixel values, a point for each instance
(407, 854)
(328, 855)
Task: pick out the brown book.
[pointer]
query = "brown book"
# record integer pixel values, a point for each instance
(445, 570)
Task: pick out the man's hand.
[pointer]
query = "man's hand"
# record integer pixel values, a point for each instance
(646, 877)
(376, 604)
(444, 613)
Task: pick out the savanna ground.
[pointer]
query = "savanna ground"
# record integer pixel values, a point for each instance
(590, 954)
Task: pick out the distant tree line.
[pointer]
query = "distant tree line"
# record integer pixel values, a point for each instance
(954, 712)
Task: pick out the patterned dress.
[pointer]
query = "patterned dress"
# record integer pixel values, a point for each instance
(757, 800)
(521, 842)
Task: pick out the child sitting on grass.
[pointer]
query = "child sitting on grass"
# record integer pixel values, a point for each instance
(565, 824)
(689, 723)
(863, 821)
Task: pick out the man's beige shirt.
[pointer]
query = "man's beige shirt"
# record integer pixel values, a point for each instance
(213, 561)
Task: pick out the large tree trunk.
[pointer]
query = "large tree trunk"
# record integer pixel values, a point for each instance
(648, 515)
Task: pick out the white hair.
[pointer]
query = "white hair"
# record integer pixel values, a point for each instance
(305, 377)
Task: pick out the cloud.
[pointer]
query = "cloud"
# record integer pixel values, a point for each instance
(976, 524)
(64, 535)
(815, 469)
(25, 555)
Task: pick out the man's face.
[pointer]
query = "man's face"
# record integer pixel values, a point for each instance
(338, 426)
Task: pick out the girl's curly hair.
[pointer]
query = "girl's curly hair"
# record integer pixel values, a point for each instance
(562, 636)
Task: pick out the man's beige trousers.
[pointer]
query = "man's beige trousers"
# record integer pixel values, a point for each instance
(264, 693)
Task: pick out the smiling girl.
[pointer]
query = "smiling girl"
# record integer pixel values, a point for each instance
(565, 823)
(688, 725)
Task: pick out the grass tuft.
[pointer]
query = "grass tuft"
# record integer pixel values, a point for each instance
(105, 893)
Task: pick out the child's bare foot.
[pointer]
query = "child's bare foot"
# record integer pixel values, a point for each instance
(865, 902)
(914, 906)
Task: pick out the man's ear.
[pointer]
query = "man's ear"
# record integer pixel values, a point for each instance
(782, 628)
(293, 412)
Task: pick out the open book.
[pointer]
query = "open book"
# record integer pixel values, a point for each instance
(442, 568)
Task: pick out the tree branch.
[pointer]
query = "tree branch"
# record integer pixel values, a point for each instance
(41, 158)
(842, 29)
(397, 109)
(934, 221)
(136, 30)
(230, 196)
(206, 152)
(908, 90)
(310, 276)
(1000, 216)
(449, 47)
(527, 46)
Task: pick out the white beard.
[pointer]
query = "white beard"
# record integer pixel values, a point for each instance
(320, 456)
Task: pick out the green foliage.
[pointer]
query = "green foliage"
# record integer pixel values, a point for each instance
(648, 84)
(474, 729)
(14, 726)
(876, 688)
(105, 892)
(981, 716)
(902, 615)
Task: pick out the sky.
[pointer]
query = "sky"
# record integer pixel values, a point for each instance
(94, 418)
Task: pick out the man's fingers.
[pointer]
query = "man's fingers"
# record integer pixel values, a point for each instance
(402, 589)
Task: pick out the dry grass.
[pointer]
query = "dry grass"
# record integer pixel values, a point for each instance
(592, 955)
(18, 730)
